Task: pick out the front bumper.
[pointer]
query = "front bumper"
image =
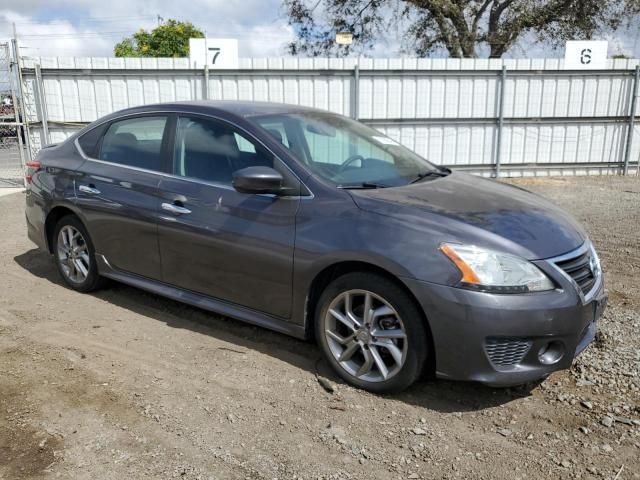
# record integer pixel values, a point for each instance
(505, 340)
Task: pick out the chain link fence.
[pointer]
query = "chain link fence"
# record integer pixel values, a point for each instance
(11, 134)
(11, 170)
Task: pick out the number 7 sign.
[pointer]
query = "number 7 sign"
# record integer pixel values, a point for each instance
(217, 53)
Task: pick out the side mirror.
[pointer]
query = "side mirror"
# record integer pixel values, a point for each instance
(257, 180)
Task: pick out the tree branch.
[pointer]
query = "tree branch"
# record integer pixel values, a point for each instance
(466, 39)
(479, 15)
(359, 14)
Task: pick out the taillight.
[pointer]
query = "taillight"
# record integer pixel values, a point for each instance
(32, 167)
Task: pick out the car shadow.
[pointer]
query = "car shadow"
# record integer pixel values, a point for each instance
(439, 395)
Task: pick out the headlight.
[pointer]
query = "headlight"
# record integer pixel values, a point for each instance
(495, 272)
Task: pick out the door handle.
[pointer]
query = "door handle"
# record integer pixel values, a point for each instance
(89, 189)
(177, 209)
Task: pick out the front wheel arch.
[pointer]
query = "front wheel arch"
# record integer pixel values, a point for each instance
(331, 272)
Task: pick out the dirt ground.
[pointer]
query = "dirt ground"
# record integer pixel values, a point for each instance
(125, 384)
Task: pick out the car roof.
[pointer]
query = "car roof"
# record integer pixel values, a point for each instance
(240, 108)
(233, 108)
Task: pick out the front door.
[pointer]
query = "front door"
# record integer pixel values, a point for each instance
(216, 241)
(119, 196)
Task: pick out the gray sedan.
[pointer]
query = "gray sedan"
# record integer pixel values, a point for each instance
(315, 225)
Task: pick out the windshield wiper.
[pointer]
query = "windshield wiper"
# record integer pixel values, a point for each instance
(362, 186)
(430, 174)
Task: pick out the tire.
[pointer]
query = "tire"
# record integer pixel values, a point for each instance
(83, 256)
(393, 313)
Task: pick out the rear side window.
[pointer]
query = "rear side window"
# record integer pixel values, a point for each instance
(135, 142)
(90, 141)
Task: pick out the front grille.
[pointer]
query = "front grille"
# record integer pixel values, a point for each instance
(506, 351)
(579, 269)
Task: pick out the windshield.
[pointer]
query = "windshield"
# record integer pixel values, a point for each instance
(345, 152)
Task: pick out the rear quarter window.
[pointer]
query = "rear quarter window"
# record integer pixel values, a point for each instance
(90, 141)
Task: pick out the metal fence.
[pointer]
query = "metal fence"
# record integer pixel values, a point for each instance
(495, 117)
(11, 166)
(12, 154)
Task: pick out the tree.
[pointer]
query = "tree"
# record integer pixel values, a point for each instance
(464, 28)
(170, 39)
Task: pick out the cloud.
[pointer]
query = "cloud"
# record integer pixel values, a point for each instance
(93, 27)
(52, 38)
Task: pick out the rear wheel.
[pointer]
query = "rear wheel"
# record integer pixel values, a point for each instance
(371, 332)
(74, 255)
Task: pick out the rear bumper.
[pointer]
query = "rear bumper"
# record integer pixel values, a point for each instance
(506, 340)
(35, 218)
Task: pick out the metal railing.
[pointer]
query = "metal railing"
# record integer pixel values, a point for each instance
(499, 117)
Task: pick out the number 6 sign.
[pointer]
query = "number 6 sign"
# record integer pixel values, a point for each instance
(585, 55)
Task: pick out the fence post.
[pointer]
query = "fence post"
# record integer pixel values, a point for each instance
(503, 78)
(355, 102)
(17, 114)
(632, 115)
(21, 105)
(206, 82)
(41, 105)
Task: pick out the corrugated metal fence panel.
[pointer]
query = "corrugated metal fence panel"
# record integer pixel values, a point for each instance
(450, 145)
(84, 99)
(444, 109)
(462, 96)
(521, 144)
(326, 92)
(411, 96)
(550, 95)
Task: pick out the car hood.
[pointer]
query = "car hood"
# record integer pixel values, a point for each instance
(486, 212)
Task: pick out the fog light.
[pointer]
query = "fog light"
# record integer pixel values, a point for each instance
(551, 353)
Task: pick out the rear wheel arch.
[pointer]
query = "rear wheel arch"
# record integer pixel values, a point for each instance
(331, 272)
(53, 217)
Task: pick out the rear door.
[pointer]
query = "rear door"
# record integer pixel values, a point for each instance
(118, 191)
(216, 241)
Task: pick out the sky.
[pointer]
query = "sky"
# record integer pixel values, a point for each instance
(93, 27)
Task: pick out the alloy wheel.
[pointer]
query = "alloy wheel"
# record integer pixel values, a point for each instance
(366, 335)
(73, 254)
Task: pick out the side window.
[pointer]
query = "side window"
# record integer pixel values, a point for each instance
(244, 145)
(90, 141)
(136, 142)
(211, 150)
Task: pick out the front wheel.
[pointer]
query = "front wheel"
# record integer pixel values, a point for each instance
(371, 332)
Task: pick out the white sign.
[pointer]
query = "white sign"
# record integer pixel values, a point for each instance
(585, 55)
(218, 53)
(344, 38)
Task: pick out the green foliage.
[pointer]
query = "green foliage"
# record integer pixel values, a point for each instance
(463, 28)
(171, 39)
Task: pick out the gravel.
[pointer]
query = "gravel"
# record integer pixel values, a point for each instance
(163, 390)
